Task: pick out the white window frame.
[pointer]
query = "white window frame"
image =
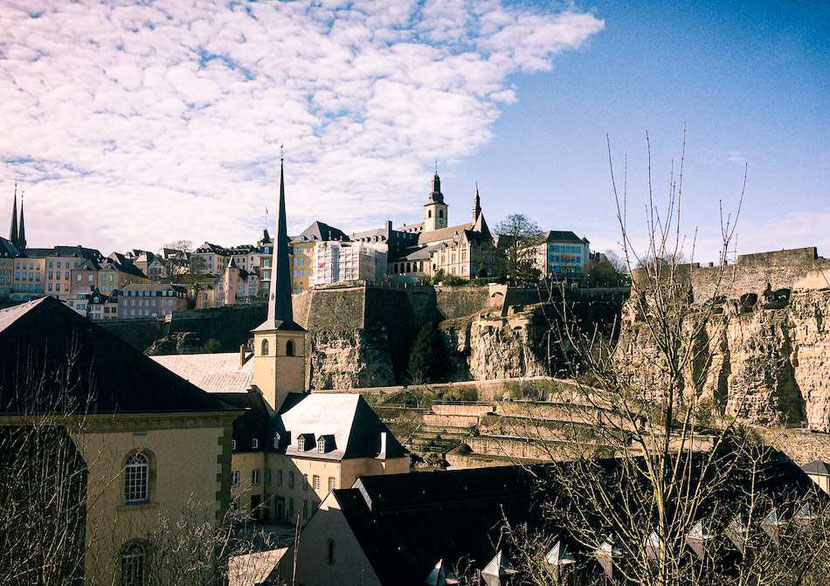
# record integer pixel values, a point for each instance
(137, 479)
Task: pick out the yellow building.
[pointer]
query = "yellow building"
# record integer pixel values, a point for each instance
(290, 448)
(303, 266)
(154, 447)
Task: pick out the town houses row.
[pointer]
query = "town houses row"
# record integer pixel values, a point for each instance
(141, 283)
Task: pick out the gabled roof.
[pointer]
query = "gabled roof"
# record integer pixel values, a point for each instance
(121, 263)
(412, 253)
(404, 523)
(7, 249)
(254, 423)
(347, 417)
(214, 373)
(817, 468)
(321, 231)
(443, 233)
(77, 252)
(111, 375)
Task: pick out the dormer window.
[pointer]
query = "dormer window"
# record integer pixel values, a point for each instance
(254, 444)
(321, 445)
(301, 443)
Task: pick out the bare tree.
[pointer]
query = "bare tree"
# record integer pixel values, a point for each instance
(518, 237)
(50, 514)
(683, 477)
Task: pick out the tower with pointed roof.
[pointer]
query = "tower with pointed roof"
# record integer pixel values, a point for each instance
(435, 210)
(279, 342)
(476, 206)
(21, 232)
(13, 232)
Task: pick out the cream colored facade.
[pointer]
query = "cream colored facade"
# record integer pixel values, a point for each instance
(189, 457)
(279, 364)
(337, 556)
(302, 264)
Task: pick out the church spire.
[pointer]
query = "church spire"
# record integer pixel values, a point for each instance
(21, 235)
(476, 205)
(279, 298)
(13, 231)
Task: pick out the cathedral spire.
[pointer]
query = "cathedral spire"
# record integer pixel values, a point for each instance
(21, 234)
(476, 205)
(279, 298)
(13, 231)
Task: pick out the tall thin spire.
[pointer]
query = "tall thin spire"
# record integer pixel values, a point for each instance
(476, 205)
(13, 231)
(21, 234)
(279, 298)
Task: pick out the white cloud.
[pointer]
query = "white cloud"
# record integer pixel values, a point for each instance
(136, 124)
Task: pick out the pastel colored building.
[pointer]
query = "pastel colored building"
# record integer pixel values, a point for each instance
(151, 300)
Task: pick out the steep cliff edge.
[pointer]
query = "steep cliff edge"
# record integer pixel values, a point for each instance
(770, 355)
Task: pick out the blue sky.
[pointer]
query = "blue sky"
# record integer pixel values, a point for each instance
(130, 126)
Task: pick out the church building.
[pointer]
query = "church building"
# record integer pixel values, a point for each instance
(290, 448)
(465, 250)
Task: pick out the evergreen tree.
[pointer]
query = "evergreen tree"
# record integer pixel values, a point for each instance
(428, 358)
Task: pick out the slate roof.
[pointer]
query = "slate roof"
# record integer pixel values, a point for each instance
(443, 233)
(215, 373)
(7, 249)
(817, 468)
(112, 376)
(321, 231)
(77, 252)
(255, 423)
(121, 263)
(564, 236)
(347, 417)
(405, 523)
(412, 253)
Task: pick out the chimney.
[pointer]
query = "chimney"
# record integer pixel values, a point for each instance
(241, 354)
(383, 440)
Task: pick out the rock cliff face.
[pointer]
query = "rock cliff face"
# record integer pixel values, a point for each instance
(348, 359)
(769, 366)
(493, 347)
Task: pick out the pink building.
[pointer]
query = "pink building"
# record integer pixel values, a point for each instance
(151, 300)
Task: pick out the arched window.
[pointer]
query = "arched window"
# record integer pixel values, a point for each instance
(264, 348)
(429, 213)
(289, 348)
(133, 560)
(440, 213)
(408, 268)
(137, 479)
(395, 268)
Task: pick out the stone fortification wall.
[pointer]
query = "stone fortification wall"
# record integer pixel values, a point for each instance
(455, 302)
(783, 269)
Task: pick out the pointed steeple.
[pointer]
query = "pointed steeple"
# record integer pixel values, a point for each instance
(13, 231)
(280, 312)
(21, 235)
(476, 205)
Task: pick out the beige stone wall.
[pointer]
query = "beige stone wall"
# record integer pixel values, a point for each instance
(277, 374)
(354, 467)
(245, 463)
(188, 464)
(348, 564)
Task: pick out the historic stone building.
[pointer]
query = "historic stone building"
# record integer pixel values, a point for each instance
(462, 250)
(290, 448)
(148, 445)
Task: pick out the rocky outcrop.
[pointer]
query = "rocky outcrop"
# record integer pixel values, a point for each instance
(347, 359)
(487, 347)
(176, 343)
(768, 364)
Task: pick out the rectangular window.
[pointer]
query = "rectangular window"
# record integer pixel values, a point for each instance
(279, 477)
(291, 479)
(268, 476)
(305, 509)
(316, 480)
(330, 553)
(331, 483)
(255, 477)
(235, 478)
(305, 481)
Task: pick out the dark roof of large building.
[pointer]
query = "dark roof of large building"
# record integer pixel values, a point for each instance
(109, 375)
(123, 264)
(405, 523)
(564, 236)
(77, 252)
(320, 231)
(253, 424)
(817, 468)
(7, 249)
